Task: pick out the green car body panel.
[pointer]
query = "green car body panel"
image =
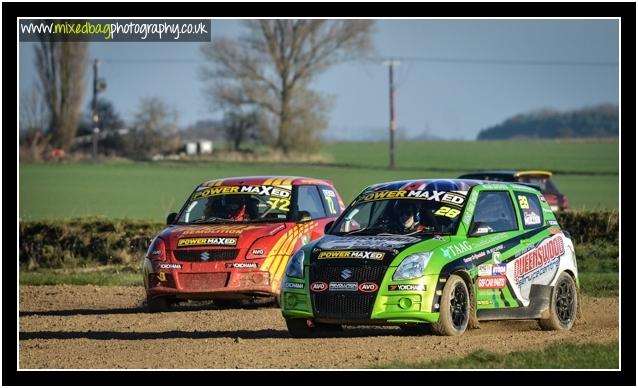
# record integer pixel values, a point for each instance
(508, 273)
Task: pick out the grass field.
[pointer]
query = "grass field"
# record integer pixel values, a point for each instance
(582, 157)
(559, 356)
(152, 190)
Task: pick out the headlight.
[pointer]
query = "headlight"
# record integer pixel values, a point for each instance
(295, 265)
(412, 267)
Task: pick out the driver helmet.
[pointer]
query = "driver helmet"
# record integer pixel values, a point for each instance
(407, 214)
(235, 207)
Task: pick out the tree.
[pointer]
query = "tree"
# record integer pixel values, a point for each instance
(34, 119)
(239, 127)
(154, 125)
(271, 67)
(109, 119)
(61, 67)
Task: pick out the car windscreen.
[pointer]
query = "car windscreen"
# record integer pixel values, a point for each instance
(238, 204)
(402, 212)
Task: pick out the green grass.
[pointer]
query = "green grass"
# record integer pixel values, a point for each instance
(597, 157)
(152, 190)
(558, 356)
(98, 276)
(599, 284)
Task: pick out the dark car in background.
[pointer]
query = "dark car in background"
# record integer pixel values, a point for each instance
(556, 199)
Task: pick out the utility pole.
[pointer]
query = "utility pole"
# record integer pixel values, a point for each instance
(94, 116)
(393, 122)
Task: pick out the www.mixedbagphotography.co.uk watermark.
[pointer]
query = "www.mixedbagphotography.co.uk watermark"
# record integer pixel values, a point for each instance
(116, 30)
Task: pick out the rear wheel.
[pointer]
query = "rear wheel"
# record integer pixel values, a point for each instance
(455, 308)
(563, 305)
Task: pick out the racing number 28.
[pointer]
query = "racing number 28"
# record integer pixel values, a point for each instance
(280, 203)
(446, 211)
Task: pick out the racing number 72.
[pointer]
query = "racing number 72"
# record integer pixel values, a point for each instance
(280, 203)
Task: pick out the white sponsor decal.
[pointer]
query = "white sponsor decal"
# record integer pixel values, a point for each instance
(485, 270)
(343, 286)
(406, 287)
(241, 265)
(293, 285)
(532, 218)
(170, 266)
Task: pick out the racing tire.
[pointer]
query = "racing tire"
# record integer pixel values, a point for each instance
(455, 308)
(300, 328)
(418, 329)
(157, 304)
(563, 305)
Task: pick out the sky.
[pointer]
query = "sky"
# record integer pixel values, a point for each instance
(449, 100)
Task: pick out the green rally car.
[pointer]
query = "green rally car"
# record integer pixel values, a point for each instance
(435, 255)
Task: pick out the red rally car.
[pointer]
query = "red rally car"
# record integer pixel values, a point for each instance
(233, 237)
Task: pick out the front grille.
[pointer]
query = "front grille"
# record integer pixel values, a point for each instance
(339, 305)
(362, 273)
(346, 305)
(204, 255)
(203, 281)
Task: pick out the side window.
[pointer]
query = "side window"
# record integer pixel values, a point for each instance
(308, 200)
(530, 209)
(330, 200)
(495, 212)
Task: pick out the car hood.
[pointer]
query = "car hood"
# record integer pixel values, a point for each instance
(229, 235)
(366, 249)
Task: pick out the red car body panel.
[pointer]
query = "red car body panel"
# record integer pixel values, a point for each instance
(252, 264)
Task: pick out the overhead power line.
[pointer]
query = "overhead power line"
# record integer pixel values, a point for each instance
(487, 61)
(469, 61)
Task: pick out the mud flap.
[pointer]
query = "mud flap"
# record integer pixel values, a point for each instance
(539, 299)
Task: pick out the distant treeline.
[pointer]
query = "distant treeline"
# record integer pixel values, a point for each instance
(597, 121)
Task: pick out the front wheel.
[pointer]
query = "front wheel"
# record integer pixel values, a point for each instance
(563, 305)
(455, 308)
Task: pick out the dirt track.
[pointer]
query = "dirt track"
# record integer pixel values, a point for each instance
(106, 327)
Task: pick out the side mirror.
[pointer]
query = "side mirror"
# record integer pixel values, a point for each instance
(328, 227)
(304, 216)
(171, 218)
(480, 229)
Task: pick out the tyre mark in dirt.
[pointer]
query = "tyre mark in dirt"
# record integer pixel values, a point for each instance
(107, 327)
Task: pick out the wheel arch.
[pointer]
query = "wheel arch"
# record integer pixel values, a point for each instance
(463, 274)
(571, 273)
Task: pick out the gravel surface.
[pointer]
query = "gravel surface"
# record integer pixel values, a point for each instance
(90, 327)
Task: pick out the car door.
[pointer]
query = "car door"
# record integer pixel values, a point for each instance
(538, 259)
(493, 235)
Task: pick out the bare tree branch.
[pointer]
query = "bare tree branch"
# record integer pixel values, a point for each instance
(272, 66)
(61, 69)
